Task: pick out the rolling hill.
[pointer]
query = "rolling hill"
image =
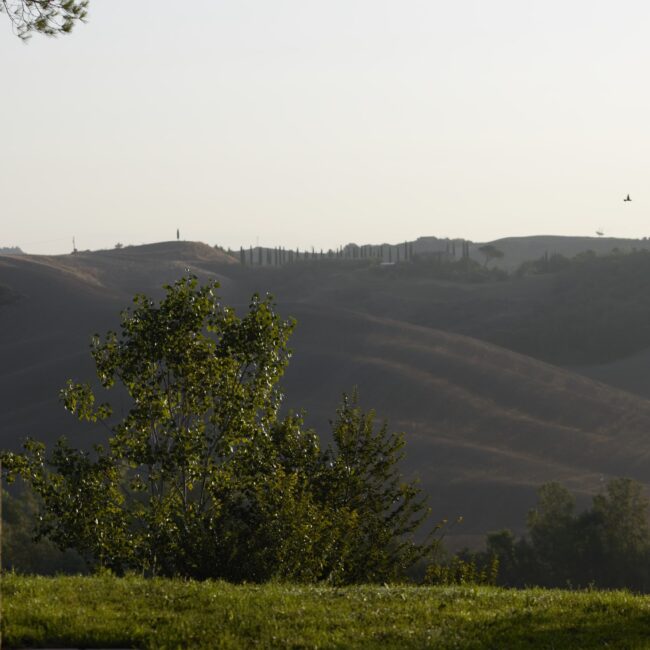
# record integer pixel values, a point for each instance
(485, 425)
(517, 250)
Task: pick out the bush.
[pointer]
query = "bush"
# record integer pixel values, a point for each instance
(463, 571)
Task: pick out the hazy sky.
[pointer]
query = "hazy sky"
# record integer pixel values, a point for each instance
(304, 122)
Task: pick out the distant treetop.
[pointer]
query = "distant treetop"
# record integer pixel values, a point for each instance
(11, 250)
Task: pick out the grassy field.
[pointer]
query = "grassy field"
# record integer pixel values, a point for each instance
(139, 613)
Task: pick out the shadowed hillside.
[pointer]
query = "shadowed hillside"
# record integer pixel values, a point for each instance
(485, 425)
(584, 310)
(631, 373)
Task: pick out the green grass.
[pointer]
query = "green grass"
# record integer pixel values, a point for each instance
(139, 613)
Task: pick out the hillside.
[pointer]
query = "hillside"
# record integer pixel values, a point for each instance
(582, 311)
(125, 269)
(485, 425)
(517, 250)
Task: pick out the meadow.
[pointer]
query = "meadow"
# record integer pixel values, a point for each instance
(134, 612)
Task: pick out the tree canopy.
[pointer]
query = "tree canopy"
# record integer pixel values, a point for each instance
(491, 252)
(607, 545)
(202, 477)
(49, 17)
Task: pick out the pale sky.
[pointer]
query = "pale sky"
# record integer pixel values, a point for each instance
(304, 122)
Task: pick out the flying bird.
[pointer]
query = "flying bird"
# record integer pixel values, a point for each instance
(627, 198)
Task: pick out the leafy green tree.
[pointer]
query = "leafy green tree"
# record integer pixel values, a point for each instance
(363, 479)
(202, 385)
(624, 512)
(515, 557)
(49, 17)
(622, 515)
(550, 526)
(607, 545)
(201, 477)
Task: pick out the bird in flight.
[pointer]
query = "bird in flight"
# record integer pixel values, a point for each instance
(627, 198)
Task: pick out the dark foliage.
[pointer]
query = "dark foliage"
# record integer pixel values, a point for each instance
(21, 553)
(442, 267)
(598, 310)
(607, 546)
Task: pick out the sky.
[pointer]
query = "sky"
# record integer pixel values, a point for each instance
(318, 123)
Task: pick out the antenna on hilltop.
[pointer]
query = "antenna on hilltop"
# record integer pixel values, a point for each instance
(178, 234)
(74, 246)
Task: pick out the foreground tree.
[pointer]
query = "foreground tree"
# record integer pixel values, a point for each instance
(49, 17)
(363, 479)
(202, 478)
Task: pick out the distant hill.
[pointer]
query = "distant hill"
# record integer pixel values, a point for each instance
(10, 250)
(125, 269)
(485, 425)
(591, 310)
(516, 250)
(522, 249)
